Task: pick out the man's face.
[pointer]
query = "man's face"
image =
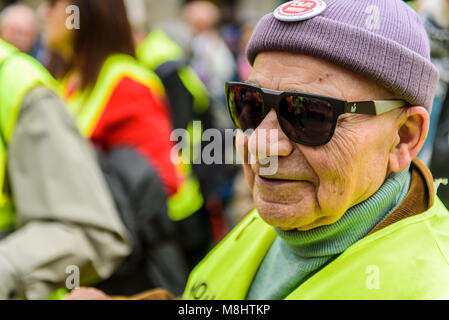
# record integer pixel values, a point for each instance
(315, 186)
(19, 28)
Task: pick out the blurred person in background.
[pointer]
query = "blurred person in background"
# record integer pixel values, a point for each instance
(189, 101)
(120, 106)
(56, 211)
(435, 14)
(435, 153)
(215, 64)
(40, 49)
(244, 68)
(19, 27)
(212, 59)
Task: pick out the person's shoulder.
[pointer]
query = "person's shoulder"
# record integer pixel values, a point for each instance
(41, 104)
(129, 90)
(127, 75)
(128, 85)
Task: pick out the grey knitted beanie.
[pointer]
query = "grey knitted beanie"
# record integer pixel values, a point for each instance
(382, 39)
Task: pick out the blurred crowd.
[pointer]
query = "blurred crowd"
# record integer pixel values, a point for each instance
(105, 56)
(190, 60)
(213, 40)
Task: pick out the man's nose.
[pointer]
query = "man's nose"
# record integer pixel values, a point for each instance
(269, 140)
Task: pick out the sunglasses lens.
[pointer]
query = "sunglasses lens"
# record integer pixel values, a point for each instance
(306, 120)
(303, 119)
(246, 107)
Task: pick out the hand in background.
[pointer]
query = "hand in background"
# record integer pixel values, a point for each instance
(87, 294)
(95, 294)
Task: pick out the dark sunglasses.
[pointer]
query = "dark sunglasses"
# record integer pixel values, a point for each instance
(305, 118)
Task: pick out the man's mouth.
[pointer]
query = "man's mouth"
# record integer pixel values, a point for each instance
(272, 181)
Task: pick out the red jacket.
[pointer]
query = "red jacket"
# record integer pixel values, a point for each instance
(136, 117)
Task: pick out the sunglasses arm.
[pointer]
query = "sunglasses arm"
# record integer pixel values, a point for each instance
(374, 108)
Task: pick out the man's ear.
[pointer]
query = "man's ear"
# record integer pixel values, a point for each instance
(412, 132)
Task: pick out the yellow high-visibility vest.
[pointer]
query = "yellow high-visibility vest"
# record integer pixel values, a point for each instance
(156, 49)
(19, 73)
(406, 260)
(88, 105)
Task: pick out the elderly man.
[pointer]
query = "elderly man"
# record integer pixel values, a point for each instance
(349, 213)
(19, 26)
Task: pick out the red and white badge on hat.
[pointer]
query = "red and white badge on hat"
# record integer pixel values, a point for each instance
(299, 10)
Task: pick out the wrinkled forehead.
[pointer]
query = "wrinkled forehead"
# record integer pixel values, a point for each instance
(287, 71)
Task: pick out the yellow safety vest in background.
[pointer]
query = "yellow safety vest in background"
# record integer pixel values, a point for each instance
(88, 106)
(157, 49)
(19, 73)
(406, 260)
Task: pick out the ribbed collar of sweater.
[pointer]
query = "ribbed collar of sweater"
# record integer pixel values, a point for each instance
(355, 224)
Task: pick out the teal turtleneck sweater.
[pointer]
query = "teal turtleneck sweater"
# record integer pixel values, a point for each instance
(295, 256)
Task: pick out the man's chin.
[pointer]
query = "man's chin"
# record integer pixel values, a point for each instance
(287, 216)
